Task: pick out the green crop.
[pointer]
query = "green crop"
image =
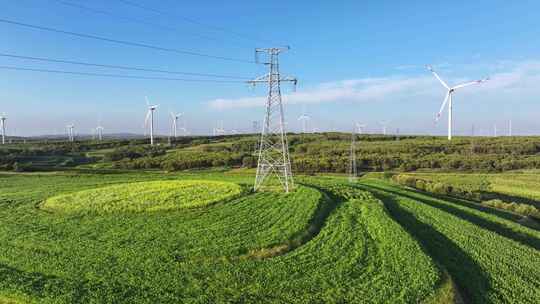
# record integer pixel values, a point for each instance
(326, 242)
(492, 260)
(143, 196)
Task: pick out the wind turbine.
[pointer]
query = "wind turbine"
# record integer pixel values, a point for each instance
(70, 128)
(304, 119)
(384, 124)
(150, 116)
(360, 128)
(175, 118)
(219, 130)
(3, 119)
(448, 97)
(99, 131)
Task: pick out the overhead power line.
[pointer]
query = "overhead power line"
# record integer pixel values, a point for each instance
(134, 20)
(123, 42)
(118, 66)
(116, 75)
(196, 22)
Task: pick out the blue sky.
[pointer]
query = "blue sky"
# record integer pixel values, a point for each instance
(357, 61)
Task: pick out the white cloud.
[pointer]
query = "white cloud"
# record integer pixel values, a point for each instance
(519, 78)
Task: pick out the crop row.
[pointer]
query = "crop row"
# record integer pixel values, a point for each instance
(359, 255)
(492, 260)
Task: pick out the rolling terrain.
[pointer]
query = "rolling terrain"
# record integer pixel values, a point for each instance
(329, 241)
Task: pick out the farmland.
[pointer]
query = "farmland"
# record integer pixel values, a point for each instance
(99, 232)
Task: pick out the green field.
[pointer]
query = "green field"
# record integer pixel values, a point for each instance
(77, 237)
(524, 185)
(119, 221)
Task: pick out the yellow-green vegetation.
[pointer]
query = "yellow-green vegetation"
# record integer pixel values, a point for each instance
(523, 185)
(14, 299)
(143, 196)
(491, 259)
(341, 246)
(329, 241)
(516, 192)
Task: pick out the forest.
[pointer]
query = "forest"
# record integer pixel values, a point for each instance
(310, 153)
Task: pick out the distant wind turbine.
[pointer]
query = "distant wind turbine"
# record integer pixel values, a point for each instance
(149, 120)
(360, 128)
(175, 118)
(99, 131)
(70, 128)
(303, 120)
(3, 119)
(219, 130)
(448, 98)
(384, 124)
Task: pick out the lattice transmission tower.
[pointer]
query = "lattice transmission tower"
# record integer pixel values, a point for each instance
(352, 162)
(273, 146)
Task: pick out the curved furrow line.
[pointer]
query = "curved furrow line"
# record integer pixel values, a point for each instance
(487, 266)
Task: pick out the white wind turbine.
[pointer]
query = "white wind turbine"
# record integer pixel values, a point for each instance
(99, 131)
(150, 117)
(448, 98)
(175, 118)
(69, 129)
(219, 130)
(303, 119)
(384, 124)
(360, 128)
(3, 119)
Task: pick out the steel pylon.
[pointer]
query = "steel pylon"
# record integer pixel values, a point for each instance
(273, 147)
(352, 162)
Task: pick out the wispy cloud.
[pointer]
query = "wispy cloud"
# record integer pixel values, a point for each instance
(518, 78)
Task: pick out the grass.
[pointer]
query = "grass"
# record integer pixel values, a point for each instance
(143, 196)
(512, 185)
(342, 246)
(491, 259)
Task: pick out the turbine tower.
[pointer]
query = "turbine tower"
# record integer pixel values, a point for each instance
(175, 118)
(384, 124)
(273, 147)
(510, 127)
(303, 119)
(219, 130)
(70, 128)
(150, 117)
(255, 126)
(3, 119)
(448, 98)
(99, 131)
(352, 162)
(360, 128)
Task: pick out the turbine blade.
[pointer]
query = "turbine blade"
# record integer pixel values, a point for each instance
(466, 84)
(442, 107)
(147, 102)
(430, 68)
(147, 118)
